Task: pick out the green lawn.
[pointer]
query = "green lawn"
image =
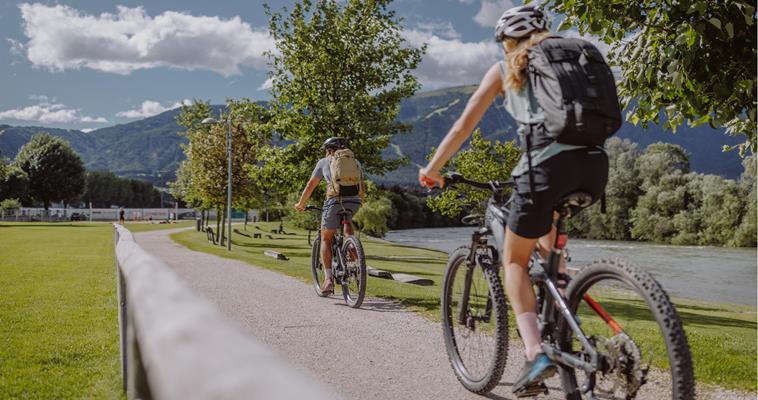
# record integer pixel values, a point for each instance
(58, 320)
(722, 337)
(147, 226)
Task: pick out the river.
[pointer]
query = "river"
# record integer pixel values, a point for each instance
(717, 274)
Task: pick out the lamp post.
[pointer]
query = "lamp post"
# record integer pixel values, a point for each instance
(212, 121)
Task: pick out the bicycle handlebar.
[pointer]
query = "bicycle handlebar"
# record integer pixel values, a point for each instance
(495, 186)
(313, 208)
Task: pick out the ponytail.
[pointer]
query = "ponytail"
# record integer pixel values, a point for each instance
(517, 58)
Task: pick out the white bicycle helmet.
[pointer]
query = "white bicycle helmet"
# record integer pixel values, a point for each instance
(519, 21)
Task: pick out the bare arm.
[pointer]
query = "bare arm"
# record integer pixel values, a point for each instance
(477, 105)
(309, 188)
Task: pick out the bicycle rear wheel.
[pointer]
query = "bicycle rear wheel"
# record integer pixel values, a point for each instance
(317, 269)
(634, 326)
(476, 335)
(354, 281)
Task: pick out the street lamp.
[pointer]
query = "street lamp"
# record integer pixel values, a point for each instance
(213, 121)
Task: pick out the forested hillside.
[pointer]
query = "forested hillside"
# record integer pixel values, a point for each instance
(149, 148)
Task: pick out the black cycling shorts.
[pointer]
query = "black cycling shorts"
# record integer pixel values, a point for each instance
(569, 171)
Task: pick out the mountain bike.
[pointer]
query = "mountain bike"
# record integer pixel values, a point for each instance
(611, 329)
(348, 263)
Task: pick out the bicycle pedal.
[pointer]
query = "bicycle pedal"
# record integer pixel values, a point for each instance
(531, 390)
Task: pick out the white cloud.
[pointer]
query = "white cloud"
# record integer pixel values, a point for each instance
(61, 38)
(491, 11)
(449, 62)
(443, 29)
(17, 48)
(87, 130)
(602, 46)
(150, 108)
(49, 112)
(267, 84)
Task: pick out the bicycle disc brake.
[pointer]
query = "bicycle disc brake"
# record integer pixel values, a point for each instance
(625, 369)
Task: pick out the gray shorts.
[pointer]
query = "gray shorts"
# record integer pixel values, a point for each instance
(330, 218)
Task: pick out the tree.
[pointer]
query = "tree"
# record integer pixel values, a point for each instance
(15, 185)
(482, 161)
(686, 60)
(104, 189)
(373, 216)
(622, 191)
(341, 69)
(10, 204)
(660, 159)
(202, 177)
(745, 234)
(55, 171)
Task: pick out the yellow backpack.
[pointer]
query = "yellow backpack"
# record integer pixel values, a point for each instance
(346, 176)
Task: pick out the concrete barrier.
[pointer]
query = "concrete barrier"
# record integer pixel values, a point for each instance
(176, 345)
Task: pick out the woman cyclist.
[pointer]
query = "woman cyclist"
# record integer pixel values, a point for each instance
(556, 170)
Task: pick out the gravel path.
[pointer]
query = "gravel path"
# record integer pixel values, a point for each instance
(377, 352)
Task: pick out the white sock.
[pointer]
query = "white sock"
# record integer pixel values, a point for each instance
(328, 273)
(530, 333)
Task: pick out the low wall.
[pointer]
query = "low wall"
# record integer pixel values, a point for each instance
(176, 345)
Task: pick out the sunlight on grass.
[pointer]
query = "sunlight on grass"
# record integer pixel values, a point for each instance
(722, 337)
(58, 321)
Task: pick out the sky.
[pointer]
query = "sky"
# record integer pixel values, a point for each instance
(87, 64)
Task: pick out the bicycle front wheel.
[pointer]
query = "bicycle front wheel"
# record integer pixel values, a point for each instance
(317, 269)
(474, 322)
(630, 320)
(354, 281)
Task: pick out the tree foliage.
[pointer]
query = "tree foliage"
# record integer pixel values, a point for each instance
(15, 185)
(373, 216)
(482, 161)
(10, 204)
(55, 171)
(685, 60)
(622, 191)
(340, 69)
(202, 177)
(105, 189)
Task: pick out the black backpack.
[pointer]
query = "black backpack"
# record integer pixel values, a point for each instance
(576, 91)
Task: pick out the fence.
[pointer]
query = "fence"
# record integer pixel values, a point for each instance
(175, 345)
(54, 214)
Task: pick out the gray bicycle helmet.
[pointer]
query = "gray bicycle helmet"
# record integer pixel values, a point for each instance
(334, 143)
(518, 22)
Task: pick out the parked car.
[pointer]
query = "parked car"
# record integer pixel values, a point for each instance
(187, 215)
(79, 217)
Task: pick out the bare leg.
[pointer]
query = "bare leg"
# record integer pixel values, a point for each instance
(518, 286)
(327, 235)
(545, 244)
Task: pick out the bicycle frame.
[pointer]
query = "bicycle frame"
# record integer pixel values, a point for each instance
(544, 275)
(337, 241)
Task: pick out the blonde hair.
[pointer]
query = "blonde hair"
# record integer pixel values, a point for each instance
(517, 57)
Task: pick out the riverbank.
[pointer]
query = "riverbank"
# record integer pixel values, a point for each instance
(722, 337)
(700, 273)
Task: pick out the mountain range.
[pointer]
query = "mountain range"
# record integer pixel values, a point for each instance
(149, 148)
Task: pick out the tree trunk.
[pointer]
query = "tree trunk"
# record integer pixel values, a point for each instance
(223, 229)
(218, 224)
(202, 220)
(246, 220)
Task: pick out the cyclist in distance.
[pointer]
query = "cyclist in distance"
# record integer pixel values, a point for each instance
(542, 175)
(344, 190)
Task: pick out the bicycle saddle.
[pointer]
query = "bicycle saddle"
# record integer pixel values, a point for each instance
(573, 202)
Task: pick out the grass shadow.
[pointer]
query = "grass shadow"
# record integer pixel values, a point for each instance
(638, 310)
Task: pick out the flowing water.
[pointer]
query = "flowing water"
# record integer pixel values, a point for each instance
(717, 274)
